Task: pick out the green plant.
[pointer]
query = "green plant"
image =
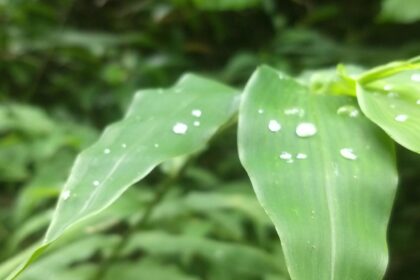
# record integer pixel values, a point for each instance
(322, 168)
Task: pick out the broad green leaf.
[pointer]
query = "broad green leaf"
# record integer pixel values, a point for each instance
(159, 125)
(403, 11)
(393, 103)
(329, 194)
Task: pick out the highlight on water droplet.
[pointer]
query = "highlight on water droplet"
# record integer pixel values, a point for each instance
(180, 128)
(415, 77)
(96, 183)
(196, 123)
(65, 195)
(348, 153)
(107, 151)
(401, 118)
(301, 156)
(306, 129)
(196, 113)
(274, 126)
(348, 110)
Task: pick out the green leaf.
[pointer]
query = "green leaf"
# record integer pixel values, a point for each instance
(330, 211)
(221, 5)
(402, 11)
(160, 125)
(393, 103)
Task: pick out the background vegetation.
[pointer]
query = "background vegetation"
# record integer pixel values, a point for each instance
(68, 68)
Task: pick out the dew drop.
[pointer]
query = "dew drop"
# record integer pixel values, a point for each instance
(180, 128)
(65, 195)
(348, 153)
(301, 156)
(285, 156)
(348, 110)
(401, 118)
(274, 126)
(294, 111)
(96, 183)
(196, 113)
(107, 151)
(415, 77)
(156, 145)
(196, 123)
(124, 145)
(418, 102)
(260, 111)
(306, 129)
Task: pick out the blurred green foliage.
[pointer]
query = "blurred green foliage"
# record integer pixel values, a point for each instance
(69, 67)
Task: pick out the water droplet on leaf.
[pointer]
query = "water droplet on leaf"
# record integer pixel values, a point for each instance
(274, 126)
(180, 128)
(348, 153)
(196, 113)
(107, 151)
(401, 118)
(306, 129)
(65, 195)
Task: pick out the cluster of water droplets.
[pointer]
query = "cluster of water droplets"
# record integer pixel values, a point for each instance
(182, 128)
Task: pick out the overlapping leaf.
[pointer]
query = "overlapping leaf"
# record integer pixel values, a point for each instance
(328, 185)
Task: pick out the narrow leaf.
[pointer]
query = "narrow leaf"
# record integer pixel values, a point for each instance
(394, 104)
(159, 125)
(324, 174)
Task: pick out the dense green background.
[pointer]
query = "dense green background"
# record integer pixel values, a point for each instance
(68, 68)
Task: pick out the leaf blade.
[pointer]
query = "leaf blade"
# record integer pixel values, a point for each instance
(330, 215)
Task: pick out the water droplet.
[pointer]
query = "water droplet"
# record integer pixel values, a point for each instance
(285, 156)
(348, 153)
(124, 145)
(348, 110)
(274, 126)
(415, 77)
(196, 113)
(96, 183)
(180, 128)
(107, 151)
(306, 129)
(387, 87)
(294, 111)
(401, 118)
(301, 156)
(196, 123)
(418, 102)
(65, 195)
(260, 111)
(156, 145)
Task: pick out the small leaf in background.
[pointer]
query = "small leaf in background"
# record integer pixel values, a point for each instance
(393, 103)
(220, 5)
(160, 125)
(401, 11)
(324, 174)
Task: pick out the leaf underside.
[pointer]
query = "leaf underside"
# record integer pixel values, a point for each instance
(129, 149)
(331, 212)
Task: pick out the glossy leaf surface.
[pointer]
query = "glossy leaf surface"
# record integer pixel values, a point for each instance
(328, 191)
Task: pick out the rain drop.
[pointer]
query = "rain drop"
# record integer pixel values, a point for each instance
(301, 156)
(260, 111)
(196, 113)
(285, 156)
(96, 183)
(156, 145)
(274, 126)
(65, 195)
(306, 129)
(107, 151)
(415, 77)
(196, 123)
(294, 111)
(348, 110)
(418, 102)
(401, 118)
(180, 128)
(124, 145)
(348, 153)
